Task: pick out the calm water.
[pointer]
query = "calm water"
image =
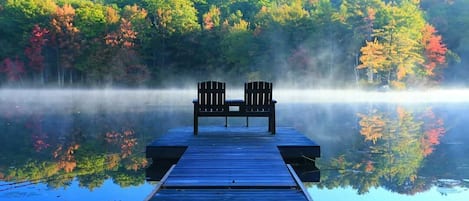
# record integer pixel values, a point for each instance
(56, 145)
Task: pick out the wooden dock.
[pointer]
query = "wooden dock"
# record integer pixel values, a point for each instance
(232, 164)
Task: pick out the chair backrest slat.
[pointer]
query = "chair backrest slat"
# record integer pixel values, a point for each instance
(211, 96)
(258, 96)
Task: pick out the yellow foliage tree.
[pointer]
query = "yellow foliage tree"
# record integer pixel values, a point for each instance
(372, 58)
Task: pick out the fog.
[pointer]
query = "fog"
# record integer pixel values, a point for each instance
(120, 97)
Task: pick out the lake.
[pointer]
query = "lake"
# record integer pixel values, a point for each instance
(89, 144)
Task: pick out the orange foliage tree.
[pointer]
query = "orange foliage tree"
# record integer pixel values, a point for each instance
(435, 50)
(65, 40)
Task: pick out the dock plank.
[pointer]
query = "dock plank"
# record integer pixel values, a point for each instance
(219, 135)
(216, 168)
(228, 194)
(231, 163)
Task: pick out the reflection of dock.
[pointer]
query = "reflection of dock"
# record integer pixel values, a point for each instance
(232, 164)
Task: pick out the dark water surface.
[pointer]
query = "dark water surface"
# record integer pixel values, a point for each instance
(89, 145)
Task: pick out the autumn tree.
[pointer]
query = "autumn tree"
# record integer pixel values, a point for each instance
(360, 16)
(125, 64)
(65, 39)
(400, 34)
(435, 51)
(211, 19)
(372, 58)
(34, 51)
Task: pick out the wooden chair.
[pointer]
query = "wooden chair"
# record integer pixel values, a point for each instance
(210, 101)
(259, 103)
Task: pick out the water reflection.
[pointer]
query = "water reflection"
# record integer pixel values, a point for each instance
(55, 149)
(395, 142)
(69, 145)
(403, 148)
(399, 148)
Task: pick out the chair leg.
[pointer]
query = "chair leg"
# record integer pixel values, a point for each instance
(247, 121)
(196, 119)
(226, 121)
(196, 125)
(272, 124)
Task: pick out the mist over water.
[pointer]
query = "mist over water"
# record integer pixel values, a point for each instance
(117, 98)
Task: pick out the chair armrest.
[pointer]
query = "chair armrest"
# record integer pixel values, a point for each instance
(274, 101)
(195, 101)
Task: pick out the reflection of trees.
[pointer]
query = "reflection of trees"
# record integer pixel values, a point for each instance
(127, 178)
(41, 149)
(395, 144)
(61, 181)
(125, 141)
(92, 181)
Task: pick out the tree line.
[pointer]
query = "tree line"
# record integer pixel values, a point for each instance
(157, 43)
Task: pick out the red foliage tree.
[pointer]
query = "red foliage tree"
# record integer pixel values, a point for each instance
(435, 49)
(13, 68)
(34, 52)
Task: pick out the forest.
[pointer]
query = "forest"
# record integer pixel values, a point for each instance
(403, 44)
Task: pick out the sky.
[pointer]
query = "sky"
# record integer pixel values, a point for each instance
(112, 192)
(349, 194)
(107, 192)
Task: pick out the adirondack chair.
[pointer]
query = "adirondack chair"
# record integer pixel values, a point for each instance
(210, 101)
(259, 103)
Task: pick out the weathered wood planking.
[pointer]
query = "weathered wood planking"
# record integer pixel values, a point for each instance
(233, 164)
(232, 136)
(232, 195)
(214, 166)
